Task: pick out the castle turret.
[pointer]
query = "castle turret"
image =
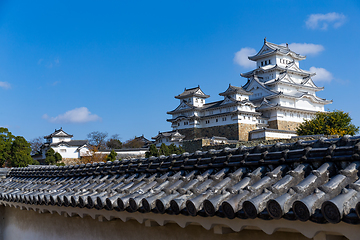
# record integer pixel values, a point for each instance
(193, 96)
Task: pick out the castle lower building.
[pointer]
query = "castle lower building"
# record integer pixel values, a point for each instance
(276, 98)
(62, 143)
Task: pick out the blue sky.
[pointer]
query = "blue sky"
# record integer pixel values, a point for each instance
(115, 66)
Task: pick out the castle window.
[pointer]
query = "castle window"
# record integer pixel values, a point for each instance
(262, 63)
(265, 62)
(217, 120)
(62, 150)
(269, 61)
(178, 124)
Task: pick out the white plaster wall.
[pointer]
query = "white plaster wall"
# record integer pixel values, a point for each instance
(19, 224)
(84, 152)
(291, 116)
(279, 135)
(71, 152)
(257, 135)
(62, 139)
(258, 93)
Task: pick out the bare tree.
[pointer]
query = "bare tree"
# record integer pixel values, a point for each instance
(36, 144)
(97, 139)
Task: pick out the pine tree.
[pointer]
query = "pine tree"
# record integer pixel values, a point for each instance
(164, 150)
(112, 156)
(152, 151)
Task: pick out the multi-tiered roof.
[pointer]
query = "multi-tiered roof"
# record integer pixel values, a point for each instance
(278, 75)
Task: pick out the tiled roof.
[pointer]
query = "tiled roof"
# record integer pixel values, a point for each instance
(196, 91)
(306, 180)
(174, 133)
(72, 143)
(234, 89)
(275, 48)
(59, 133)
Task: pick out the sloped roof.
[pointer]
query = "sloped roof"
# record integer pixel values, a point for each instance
(72, 143)
(169, 134)
(268, 68)
(196, 91)
(59, 133)
(284, 77)
(270, 48)
(233, 89)
(308, 180)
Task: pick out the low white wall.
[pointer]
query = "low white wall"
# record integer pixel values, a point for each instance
(19, 224)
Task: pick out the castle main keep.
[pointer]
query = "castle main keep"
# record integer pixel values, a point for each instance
(277, 96)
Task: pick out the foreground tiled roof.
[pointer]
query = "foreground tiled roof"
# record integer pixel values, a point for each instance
(308, 181)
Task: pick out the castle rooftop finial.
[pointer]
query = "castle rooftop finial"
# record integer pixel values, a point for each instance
(287, 45)
(265, 40)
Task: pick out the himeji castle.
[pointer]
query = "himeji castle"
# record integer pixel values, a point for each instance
(276, 98)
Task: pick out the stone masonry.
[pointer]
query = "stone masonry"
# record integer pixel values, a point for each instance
(283, 125)
(231, 132)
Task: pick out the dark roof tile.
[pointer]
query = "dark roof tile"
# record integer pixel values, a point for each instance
(306, 180)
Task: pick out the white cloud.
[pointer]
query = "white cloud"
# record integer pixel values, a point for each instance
(77, 115)
(5, 85)
(322, 75)
(306, 48)
(322, 21)
(241, 57)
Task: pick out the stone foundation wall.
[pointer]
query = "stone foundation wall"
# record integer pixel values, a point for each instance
(244, 130)
(283, 125)
(231, 132)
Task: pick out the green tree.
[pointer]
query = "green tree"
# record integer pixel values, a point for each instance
(336, 122)
(164, 150)
(51, 157)
(58, 157)
(6, 139)
(20, 153)
(112, 156)
(175, 150)
(152, 151)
